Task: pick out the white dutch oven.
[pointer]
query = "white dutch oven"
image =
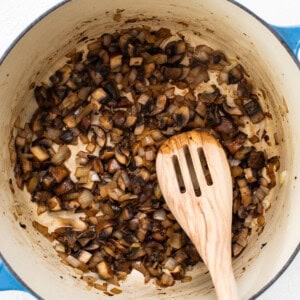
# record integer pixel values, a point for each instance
(218, 23)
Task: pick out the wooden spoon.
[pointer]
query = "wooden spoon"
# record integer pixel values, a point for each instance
(195, 180)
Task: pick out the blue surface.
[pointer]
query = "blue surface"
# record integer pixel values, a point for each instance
(7, 280)
(291, 35)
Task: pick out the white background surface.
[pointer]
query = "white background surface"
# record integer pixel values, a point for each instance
(16, 15)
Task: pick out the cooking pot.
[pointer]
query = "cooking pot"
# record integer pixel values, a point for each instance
(218, 23)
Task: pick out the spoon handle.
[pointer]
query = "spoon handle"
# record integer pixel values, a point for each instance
(214, 245)
(225, 285)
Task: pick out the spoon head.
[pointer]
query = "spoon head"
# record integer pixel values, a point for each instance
(195, 180)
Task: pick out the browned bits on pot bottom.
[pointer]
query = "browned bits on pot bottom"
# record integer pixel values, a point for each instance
(119, 103)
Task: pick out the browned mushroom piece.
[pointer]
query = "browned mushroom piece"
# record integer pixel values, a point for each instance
(233, 111)
(209, 96)
(39, 152)
(245, 191)
(165, 280)
(233, 145)
(196, 76)
(59, 173)
(236, 249)
(119, 118)
(99, 94)
(256, 160)
(181, 117)
(64, 187)
(120, 157)
(226, 128)
(54, 204)
(158, 59)
(136, 61)
(105, 122)
(244, 89)
(115, 62)
(254, 111)
(62, 75)
(175, 51)
(236, 74)
(174, 73)
(113, 166)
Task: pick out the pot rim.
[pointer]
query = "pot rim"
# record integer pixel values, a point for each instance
(264, 23)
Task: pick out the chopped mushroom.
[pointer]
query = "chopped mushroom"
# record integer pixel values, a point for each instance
(64, 187)
(236, 249)
(256, 160)
(244, 89)
(175, 241)
(99, 94)
(235, 74)
(135, 61)
(175, 51)
(59, 173)
(54, 204)
(165, 280)
(233, 145)
(113, 166)
(254, 111)
(226, 127)
(40, 153)
(234, 111)
(116, 61)
(159, 59)
(210, 96)
(181, 117)
(249, 175)
(245, 192)
(203, 53)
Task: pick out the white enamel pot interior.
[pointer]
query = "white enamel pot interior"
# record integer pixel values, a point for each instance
(218, 23)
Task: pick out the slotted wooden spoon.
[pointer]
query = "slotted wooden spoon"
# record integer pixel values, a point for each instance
(195, 180)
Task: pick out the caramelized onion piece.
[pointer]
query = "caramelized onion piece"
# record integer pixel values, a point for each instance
(104, 270)
(61, 155)
(165, 280)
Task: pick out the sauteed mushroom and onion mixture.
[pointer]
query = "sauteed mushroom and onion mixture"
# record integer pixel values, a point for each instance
(87, 156)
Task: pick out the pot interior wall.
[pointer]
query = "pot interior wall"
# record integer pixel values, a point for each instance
(218, 24)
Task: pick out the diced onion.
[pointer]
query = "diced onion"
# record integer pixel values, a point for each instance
(61, 155)
(175, 240)
(170, 264)
(74, 262)
(159, 214)
(85, 198)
